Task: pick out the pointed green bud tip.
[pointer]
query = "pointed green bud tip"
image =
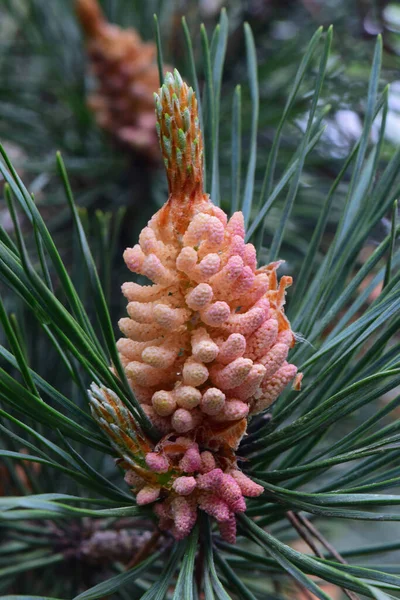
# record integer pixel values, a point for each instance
(178, 79)
(165, 93)
(179, 124)
(186, 119)
(167, 146)
(175, 100)
(181, 139)
(158, 108)
(169, 79)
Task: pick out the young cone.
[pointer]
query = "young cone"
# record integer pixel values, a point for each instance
(206, 344)
(126, 72)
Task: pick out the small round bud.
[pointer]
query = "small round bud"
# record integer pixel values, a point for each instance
(209, 265)
(191, 461)
(184, 485)
(213, 401)
(194, 373)
(182, 420)
(234, 410)
(233, 347)
(164, 403)
(187, 396)
(216, 314)
(187, 259)
(157, 462)
(159, 357)
(199, 296)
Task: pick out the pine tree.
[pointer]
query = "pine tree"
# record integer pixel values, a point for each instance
(72, 516)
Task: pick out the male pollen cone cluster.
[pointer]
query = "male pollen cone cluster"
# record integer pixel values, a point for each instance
(205, 345)
(126, 72)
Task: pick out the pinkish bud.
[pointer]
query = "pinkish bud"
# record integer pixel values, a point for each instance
(194, 373)
(215, 232)
(249, 487)
(203, 347)
(247, 322)
(164, 403)
(139, 332)
(170, 318)
(199, 296)
(228, 529)
(142, 312)
(213, 401)
(207, 462)
(271, 388)
(154, 270)
(244, 282)
(274, 359)
(147, 495)
(187, 396)
(161, 357)
(191, 460)
(209, 266)
(145, 375)
(183, 420)
(219, 213)
(162, 510)
(210, 481)
(187, 259)
(134, 258)
(232, 411)
(148, 241)
(235, 224)
(222, 282)
(157, 462)
(141, 293)
(204, 227)
(216, 314)
(184, 515)
(214, 506)
(233, 374)
(233, 347)
(184, 485)
(251, 384)
(230, 491)
(250, 256)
